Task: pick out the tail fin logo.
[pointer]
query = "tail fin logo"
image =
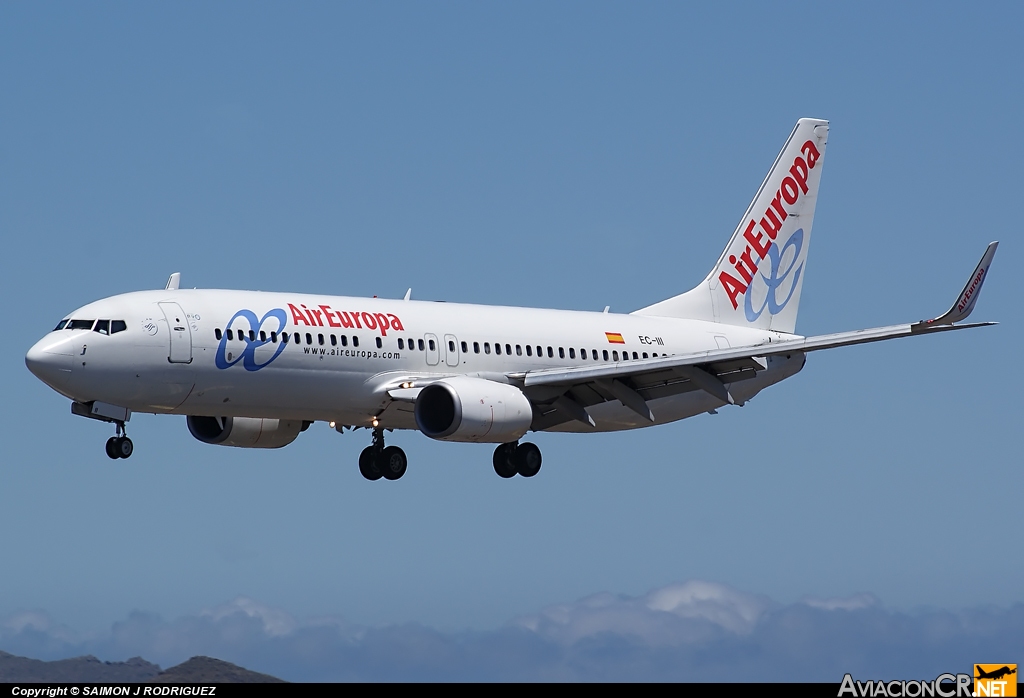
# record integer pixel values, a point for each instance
(774, 281)
(789, 192)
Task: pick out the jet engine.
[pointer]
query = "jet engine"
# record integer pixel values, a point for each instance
(244, 432)
(463, 408)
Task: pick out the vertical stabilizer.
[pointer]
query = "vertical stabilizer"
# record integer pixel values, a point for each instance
(758, 278)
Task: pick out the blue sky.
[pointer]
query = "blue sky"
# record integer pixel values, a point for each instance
(570, 155)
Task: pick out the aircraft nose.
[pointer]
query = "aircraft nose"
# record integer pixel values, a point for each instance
(50, 360)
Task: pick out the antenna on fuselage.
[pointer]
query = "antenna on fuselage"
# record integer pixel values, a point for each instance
(172, 281)
(408, 295)
(607, 308)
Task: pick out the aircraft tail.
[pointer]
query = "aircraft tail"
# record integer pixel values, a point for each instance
(757, 280)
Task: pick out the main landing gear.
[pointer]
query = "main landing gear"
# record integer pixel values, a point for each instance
(515, 458)
(377, 461)
(120, 446)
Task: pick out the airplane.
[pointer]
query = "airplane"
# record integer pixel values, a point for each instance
(253, 369)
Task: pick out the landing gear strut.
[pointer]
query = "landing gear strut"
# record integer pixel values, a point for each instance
(514, 458)
(120, 446)
(377, 461)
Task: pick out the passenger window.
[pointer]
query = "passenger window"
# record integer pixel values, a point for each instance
(60, 325)
(635, 356)
(487, 347)
(320, 339)
(273, 337)
(284, 337)
(432, 347)
(540, 351)
(583, 353)
(519, 350)
(298, 338)
(645, 354)
(465, 349)
(497, 349)
(551, 353)
(412, 345)
(252, 335)
(355, 341)
(80, 325)
(309, 338)
(451, 346)
(419, 343)
(217, 334)
(615, 356)
(344, 340)
(231, 335)
(334, 341)
(508, 349)
(263, 336)
(476, 347)
(605, 354)
(595, 354)
(572, 353)
(118, 326)
(529, 350)
(654, 355)
(379, 343)
(102, 326)
(401, 343)
(561, 353)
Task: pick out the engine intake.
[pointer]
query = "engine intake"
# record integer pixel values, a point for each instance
(463, 408)
(244, 432)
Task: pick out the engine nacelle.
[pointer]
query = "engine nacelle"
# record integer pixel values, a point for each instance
(473, 409)
(244, 432)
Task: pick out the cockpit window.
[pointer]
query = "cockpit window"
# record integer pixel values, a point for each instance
(80, 324)
(102, 326)
(60, 325)
(118, 326)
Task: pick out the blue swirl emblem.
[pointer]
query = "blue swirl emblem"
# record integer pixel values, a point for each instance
(248, 355)
(776, 278)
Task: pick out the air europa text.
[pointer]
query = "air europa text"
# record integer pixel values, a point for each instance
(325, 316)
(771, 223)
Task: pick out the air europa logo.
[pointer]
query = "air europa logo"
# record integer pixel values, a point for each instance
(315, 317)
(789, 191)
(965, 299)
(247, 356)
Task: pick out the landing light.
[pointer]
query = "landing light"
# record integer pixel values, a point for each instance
(332, 425)
(375, 422)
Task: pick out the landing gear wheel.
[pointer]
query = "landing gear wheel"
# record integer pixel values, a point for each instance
(392, 463)
(502, 460)
(368, 464)
(112, 448)
(125, 447)
(527, 459)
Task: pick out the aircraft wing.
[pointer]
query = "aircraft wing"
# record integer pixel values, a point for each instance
(563, 394)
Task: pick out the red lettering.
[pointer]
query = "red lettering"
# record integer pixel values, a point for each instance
(748, 276)
(732, 286)
(799, 172)
(396, 324)
(346, 321)
(319, 318)
(811, 153)
(771, 224)
(382, 323)
(789, 190)
(355, 316)
(369, 321)
(746, 258)
(297, 315)
(755, 241)
(777, 205)
(329, 315)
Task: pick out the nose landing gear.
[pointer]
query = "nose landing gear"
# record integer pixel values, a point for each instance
(517, 459)
(377, 461)
(120, 446)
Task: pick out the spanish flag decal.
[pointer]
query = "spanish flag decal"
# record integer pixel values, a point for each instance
(614, 338)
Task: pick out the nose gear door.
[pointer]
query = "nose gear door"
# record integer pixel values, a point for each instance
(181, 335)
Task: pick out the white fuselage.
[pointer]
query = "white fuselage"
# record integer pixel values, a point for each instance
(343, 354)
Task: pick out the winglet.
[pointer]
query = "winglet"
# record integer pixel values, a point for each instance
(968, 297)
(172, 281)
